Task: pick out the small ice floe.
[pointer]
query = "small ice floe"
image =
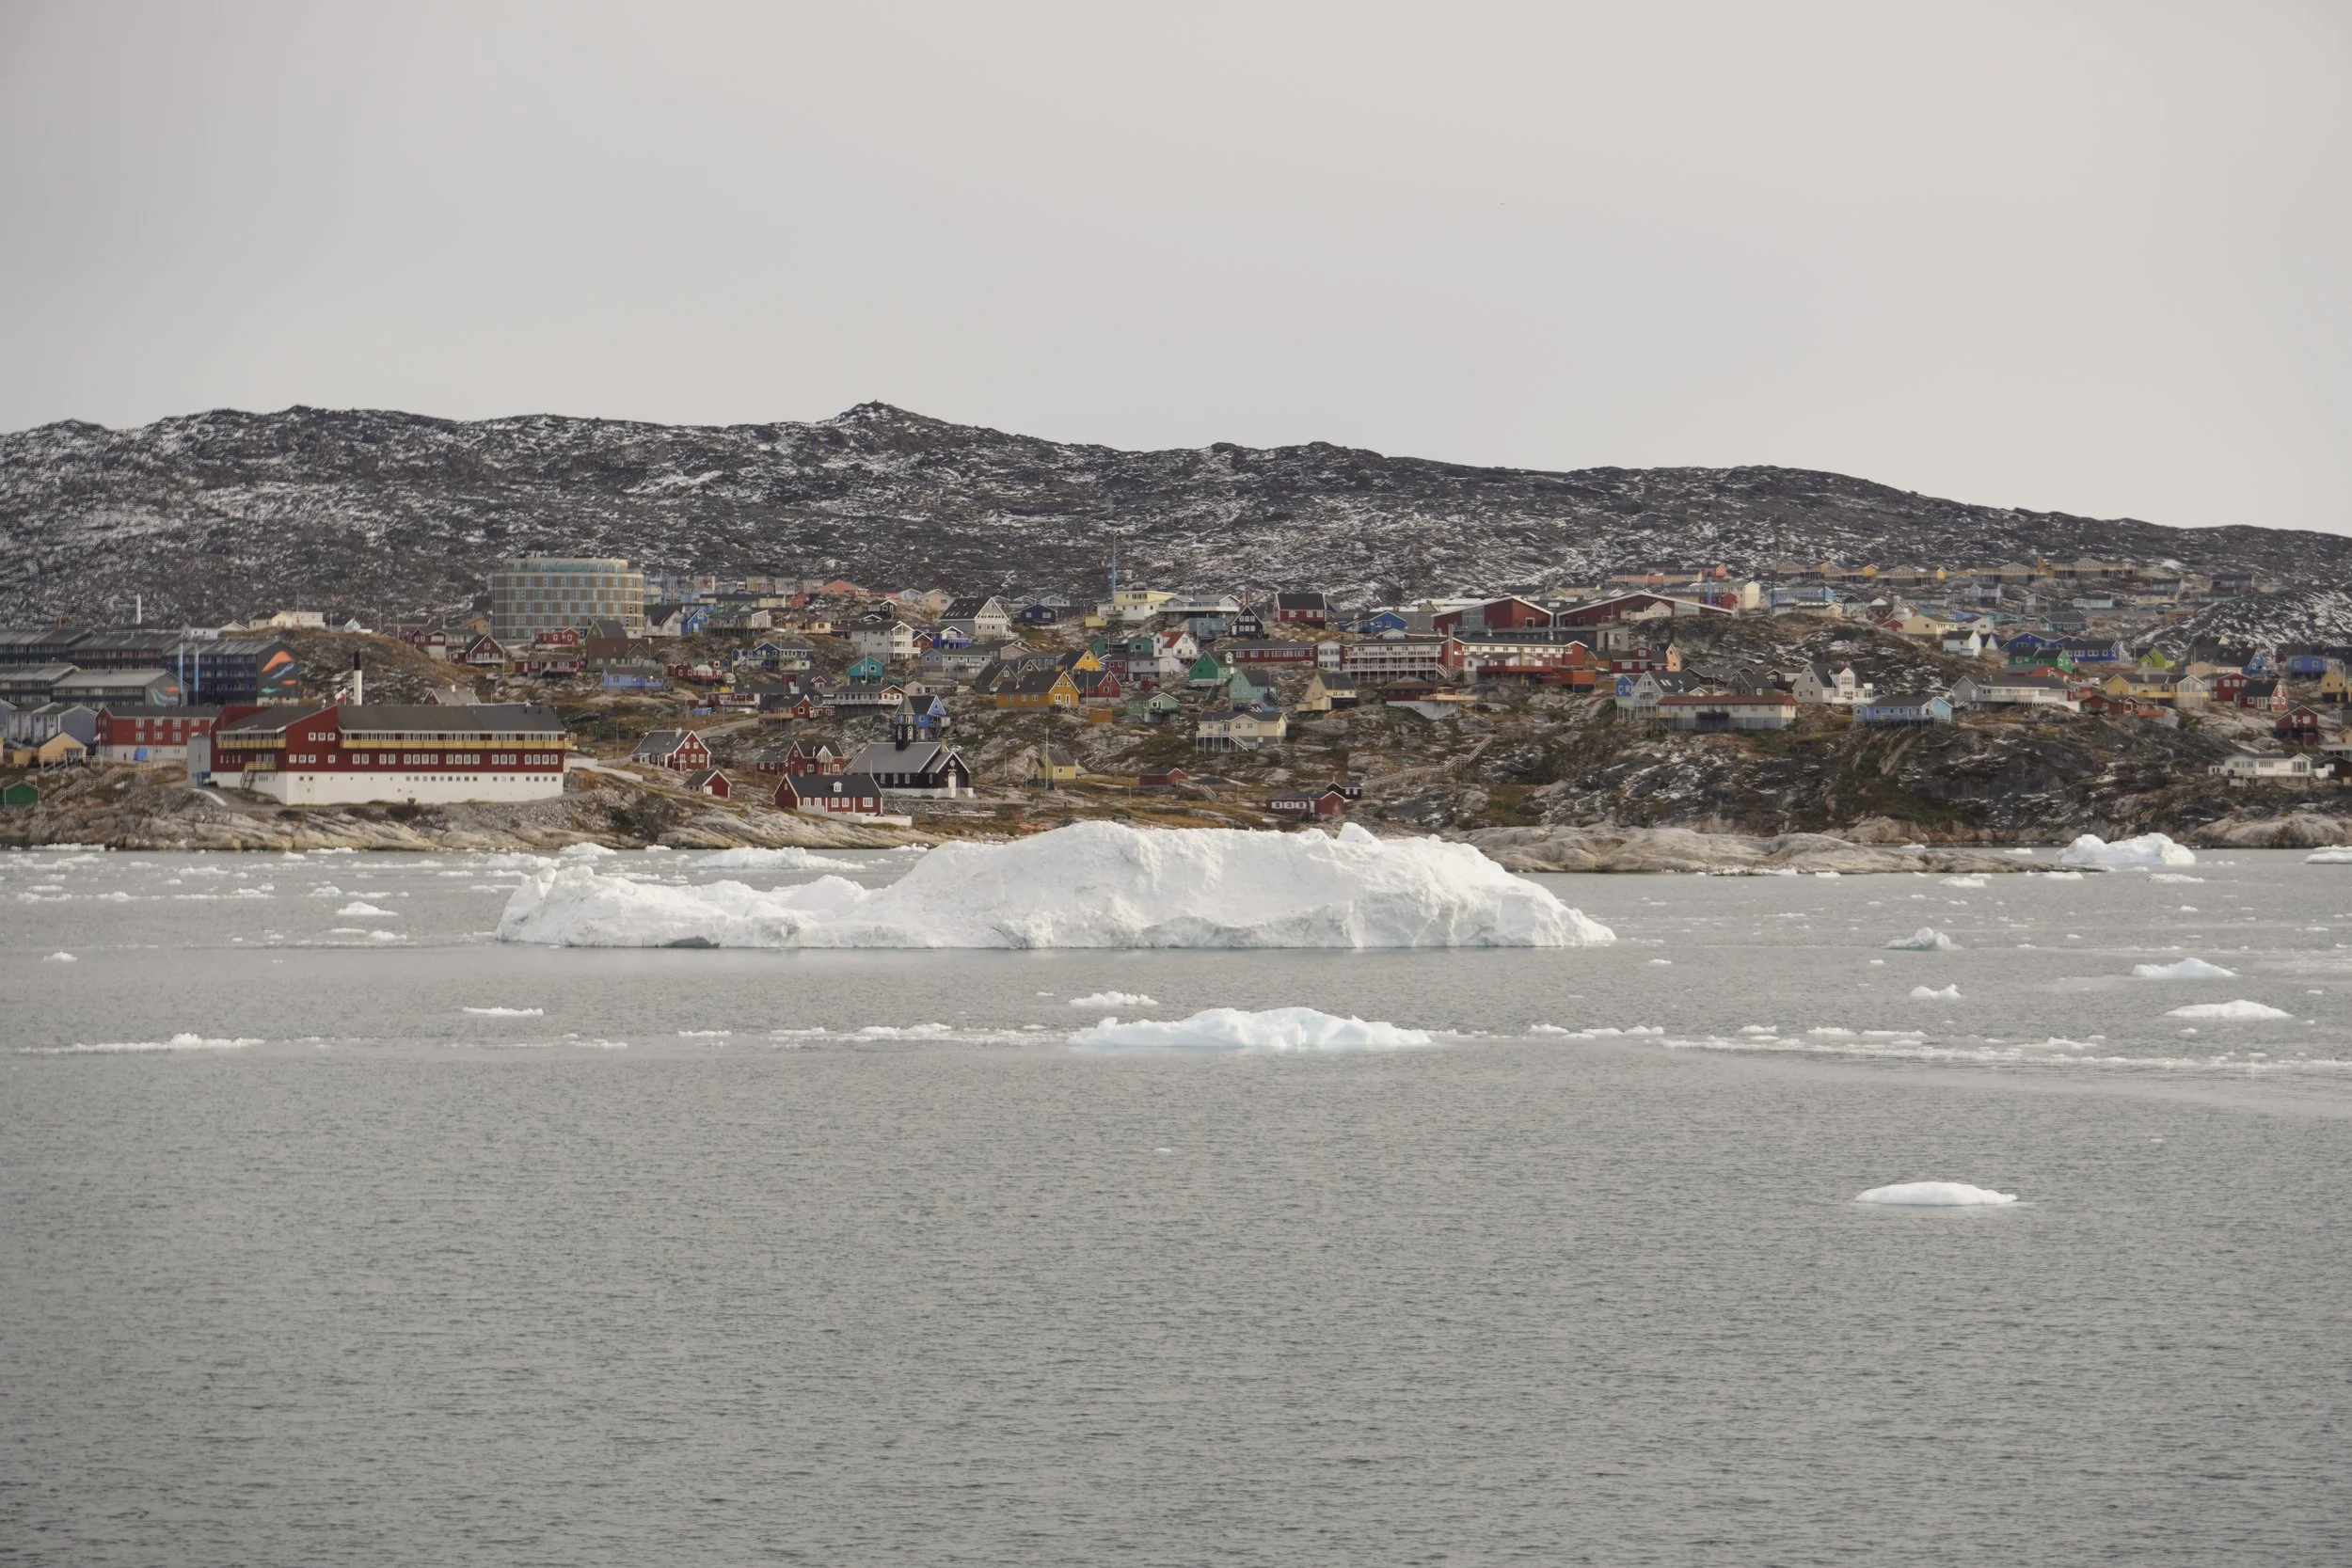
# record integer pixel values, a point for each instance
(326, 890)
(703, 1034)
(384, 936)
(1274, 1029)
(60, 958)
(1546, 1029)
(907, 1032)
(357, 908)
(1963, 881)
(177, 1042)
(1113, 999)
(1926, 939)
(1922, 993)
(1662, 962)
(2239, 1011)
(585, 851)
(2187, 969)
(2329, 857)
(2056, 875)
(2173, 877)
(1935, 1194)
(508, 1012)
(2144, 853)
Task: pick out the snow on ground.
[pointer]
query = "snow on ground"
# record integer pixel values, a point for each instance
(2147, 850)
(1934, 1194)
(2187, 969)
(2240, 1011)
(1092, 885)
(1926, 939)
(1231, 1029)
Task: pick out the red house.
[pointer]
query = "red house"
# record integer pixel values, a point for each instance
(1163, 778)
(710, 781)
(829, 795)
(1329, 803)
(1307, 607)
(1510, 614)
(139, 733)
(680, 750)
(2299, 724)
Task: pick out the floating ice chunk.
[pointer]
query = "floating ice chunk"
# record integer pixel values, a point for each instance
(326, 890)
(60, 958)
(1935, 1194)
(1963, 881)
(177, 1042)
(584, 850)
(2147, 850)
(1922, 993)
(1092, 885)
(772, 860)
(2240, 1011)
(355, 909)
(1926, 939)
(1231, 1029)
(2329, 857)
(1546, 1029)
(2173, 877)
(1113, 999)
(508, 1012)
(2187, 969)
(909, 1032)
(384, 936)
(1662, 962)
(1758, 1029)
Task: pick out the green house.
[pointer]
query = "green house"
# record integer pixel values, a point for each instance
(1206, 671)
(21, 793)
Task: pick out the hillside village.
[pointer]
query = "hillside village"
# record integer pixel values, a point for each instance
(2018, 701)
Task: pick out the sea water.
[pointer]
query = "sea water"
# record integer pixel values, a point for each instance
(332, 1237)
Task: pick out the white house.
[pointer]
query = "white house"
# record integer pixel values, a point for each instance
(1994, 689)
(1839, 687)
(885, 636)
(2247, 767)
(1242, 730)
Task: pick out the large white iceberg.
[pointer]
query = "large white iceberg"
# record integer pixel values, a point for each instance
(2187, 969)
(1092, 885)
(2147, 850)
(1231, 1029)
(1935, 1194)
(2240, 1011)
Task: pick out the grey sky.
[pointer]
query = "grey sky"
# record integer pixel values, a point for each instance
(2085, 256)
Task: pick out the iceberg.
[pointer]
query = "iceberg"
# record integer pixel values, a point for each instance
(772, 860)
(508, 1012)
(1926, 939)
(1113, 999)
(2240, 1011)
(357, 908)
(2329, 857)
(2147, 850)
(1091, 884)
(2187, 969)
(1935, 1194)
(60, 958)
(1921, 994)
(1231, 1029)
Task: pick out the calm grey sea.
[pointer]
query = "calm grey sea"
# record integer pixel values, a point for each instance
(845, 1257)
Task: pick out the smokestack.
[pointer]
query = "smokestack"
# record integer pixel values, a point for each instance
(358, 682)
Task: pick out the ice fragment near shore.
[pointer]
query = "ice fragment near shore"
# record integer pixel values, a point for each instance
(1934, 1194)
(1922, 993)
(2329, 857)
(2126, 854)
(1926, 939)
(1113, 999)
(1231, 1029)
(2187, 969)
(787, 859)
(1092, 885)
(2240, 1011)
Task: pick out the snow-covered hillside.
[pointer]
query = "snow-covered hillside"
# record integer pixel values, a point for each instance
(385, 513)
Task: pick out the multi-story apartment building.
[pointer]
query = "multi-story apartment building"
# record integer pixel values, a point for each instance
(546, 593)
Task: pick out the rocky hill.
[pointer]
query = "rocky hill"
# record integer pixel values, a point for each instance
(219, 514)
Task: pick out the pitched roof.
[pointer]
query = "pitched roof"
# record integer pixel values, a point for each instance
(449, 718)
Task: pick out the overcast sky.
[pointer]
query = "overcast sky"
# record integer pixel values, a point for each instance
(2085, 256)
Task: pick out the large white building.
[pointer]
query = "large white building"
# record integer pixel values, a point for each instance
(547, 593)
(332, 754)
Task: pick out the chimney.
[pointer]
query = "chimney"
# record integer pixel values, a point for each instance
(358, 682)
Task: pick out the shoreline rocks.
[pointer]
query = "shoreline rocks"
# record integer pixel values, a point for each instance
(1655, 850)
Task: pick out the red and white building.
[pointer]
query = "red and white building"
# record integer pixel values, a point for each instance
(830, 794)
(314, 754)
(146, 734)
(681, 751)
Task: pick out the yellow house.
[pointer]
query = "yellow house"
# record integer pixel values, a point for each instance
(1055, 767)
(1047, 689)
(59, 751)
(1328, 691)
(2146, 687)
(2335, 686)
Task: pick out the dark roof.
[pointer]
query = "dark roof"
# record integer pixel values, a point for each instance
(661, 742)
(832, 784)
(269, 720)
(152, 711)
(697, 780)
(1305, 598)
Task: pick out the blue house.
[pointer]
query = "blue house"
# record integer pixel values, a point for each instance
(1903, 710)
(1040, 615)
(869, 669)
(1380, 622)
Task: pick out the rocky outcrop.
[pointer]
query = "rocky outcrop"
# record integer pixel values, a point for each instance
(1612, 848)
(2296, 830)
